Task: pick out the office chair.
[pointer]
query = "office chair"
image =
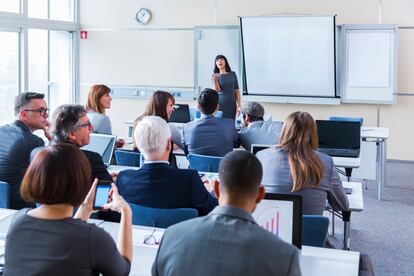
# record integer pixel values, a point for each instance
(204, 163)
(314, 230)
(127, 158)
(4, 195)
(157, 217)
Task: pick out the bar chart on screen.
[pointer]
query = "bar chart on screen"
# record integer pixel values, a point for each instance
(270, 220)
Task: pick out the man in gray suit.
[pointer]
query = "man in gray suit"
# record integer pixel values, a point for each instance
(228, 241)
(210, 135)
(18, 141)
(256, 130)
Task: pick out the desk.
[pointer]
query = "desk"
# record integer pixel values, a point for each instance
(313, 260)
(117, 169)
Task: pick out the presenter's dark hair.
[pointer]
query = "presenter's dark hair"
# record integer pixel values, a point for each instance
(208, 101)
(24, 98)
(96, 92)
(216, 70)
(240, 173)
(66, 118)
(59, 174)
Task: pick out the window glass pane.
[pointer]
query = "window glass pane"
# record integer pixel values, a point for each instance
(61, 10)
(60, 69)
(10, 6)
(9, 75)
(38, 59)
(37, 8)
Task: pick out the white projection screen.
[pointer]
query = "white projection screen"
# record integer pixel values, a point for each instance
(289, 55)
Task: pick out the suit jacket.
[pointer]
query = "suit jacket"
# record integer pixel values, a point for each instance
(210, 136)
(260, 132)
(158, 185)
(17, 143)
(276, 173)
(226, 242)
(97, 165)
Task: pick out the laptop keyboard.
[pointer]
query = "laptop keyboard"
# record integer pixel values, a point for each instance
(340, 152)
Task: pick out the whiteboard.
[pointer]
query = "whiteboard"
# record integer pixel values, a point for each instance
(210, 41)
(369, 64)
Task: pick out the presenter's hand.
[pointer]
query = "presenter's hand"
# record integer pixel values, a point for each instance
(215, 77)
(86, 208)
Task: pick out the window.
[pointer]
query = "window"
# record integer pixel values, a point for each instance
(10, 6)
(52, 9)
(9, 74)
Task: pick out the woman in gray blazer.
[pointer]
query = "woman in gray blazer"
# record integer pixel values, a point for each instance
(295, 165)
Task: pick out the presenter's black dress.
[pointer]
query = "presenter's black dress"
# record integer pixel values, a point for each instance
(227, 101)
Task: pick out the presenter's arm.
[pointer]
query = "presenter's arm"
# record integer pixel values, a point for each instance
(216, 84)
(238, 101)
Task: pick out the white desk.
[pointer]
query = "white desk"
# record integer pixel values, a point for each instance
(117, 169)
(314, 261)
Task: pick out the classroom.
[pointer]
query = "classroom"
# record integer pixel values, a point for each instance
(62, 48)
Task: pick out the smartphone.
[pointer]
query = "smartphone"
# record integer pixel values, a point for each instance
(102, 194)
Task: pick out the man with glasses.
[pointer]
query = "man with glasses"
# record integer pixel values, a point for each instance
(228, 241)
(18, 141)
(71, 125)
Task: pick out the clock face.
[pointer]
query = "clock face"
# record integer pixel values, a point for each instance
(143, 16)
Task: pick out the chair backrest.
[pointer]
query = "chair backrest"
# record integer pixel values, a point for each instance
(157, 217)
(347, 119)
(4, 195)
(314, 230)
(127, 158)
(204, 163)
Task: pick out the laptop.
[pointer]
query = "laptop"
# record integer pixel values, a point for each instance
(281, 214)
(258, 147)
(103, 144)
(339, 138)
(181, 114)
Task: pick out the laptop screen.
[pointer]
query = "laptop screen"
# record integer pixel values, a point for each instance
(281, 214)
(181, 114)
(339, 134)
(102, 144)
(258, 147)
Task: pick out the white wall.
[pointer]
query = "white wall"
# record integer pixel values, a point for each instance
(119, 51)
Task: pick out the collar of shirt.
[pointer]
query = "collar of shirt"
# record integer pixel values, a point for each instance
(155, 162)
(207, 116)
(233, 211)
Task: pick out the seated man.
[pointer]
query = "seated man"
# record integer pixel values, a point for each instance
(71, 125)
(157, 184)
(210, 135)
(228, 241)
(256, 130)
(18, 141)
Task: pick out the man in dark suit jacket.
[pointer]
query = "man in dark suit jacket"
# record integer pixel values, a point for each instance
(210, 135)
(18, 141)
(71, 125)
(157, 184)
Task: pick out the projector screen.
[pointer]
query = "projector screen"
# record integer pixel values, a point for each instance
(289, 55)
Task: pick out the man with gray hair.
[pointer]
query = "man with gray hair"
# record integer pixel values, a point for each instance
(256, 130)
(157, 184)
(18, 141)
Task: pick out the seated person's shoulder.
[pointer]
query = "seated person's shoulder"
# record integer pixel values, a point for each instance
(266, 239)
(324, 157)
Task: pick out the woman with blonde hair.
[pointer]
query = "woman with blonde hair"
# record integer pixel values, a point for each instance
(294, 165)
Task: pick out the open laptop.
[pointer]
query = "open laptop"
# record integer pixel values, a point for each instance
(103, 144)
(181, 114)
(339, 138)
(258, 147)
(281, 214)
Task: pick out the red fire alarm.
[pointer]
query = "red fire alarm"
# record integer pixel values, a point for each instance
(83, 35)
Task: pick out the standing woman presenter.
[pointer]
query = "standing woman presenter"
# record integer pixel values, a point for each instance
(226, 84)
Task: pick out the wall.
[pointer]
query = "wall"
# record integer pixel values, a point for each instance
(119, 51)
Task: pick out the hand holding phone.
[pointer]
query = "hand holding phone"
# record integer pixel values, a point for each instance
(102, 194)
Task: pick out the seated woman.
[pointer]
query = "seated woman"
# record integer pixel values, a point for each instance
(99, 99)
(295, 166)
(161, 104)
(47, 240)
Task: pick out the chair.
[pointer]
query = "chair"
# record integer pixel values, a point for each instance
(127, 158)
(314, 230)
(4, 195)
(157, 217)
(347, 119)
(204, 163)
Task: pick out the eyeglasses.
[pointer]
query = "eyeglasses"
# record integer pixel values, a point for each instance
(151, 239)
(42, 111)
(88, 124)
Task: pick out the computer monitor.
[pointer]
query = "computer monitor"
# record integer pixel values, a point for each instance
(281, 214)
(258, 147)
(339, 138)
(102, 144)
(181, 114)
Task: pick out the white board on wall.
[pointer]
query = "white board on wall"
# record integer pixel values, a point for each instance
(210, 41)
(369, 64)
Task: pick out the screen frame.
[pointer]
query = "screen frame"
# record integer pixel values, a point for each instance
(101, 185)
